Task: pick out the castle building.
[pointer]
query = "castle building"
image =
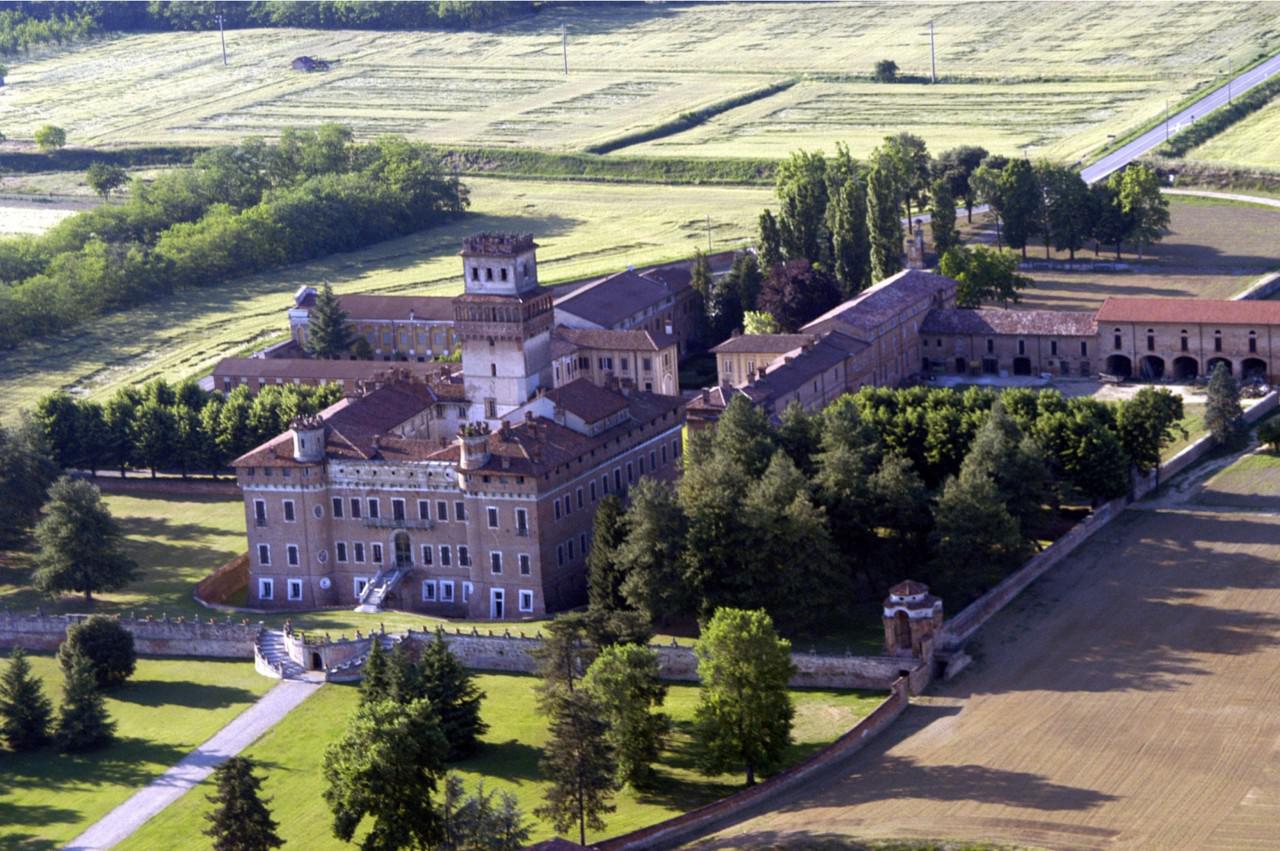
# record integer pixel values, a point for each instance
(396, 497)
(649, 360)
(417, 328)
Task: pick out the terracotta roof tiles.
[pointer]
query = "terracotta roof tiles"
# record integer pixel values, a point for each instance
(1190, 311)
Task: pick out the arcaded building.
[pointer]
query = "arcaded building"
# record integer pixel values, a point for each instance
(472, 496)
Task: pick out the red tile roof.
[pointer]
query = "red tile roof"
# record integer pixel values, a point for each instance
(605, 338)
(587, 401)
(884, 301)
(765, 343)
(1190, 311)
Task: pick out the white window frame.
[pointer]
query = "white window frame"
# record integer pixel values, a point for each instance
(446, 555)
(289, 511)
(428, 555)
(467, 590)
(522, 521)
(260, 519)
(526, 600)
(292, 555)
(375, 552)
(492, 516)
(404, 507)
(266, 588)
(374, 508)
(424, 509)
(428, 590)
(442, 511)
(358, 552)
(340, 551)
(264, 550)
(358, 584)
(290, 585)
(496, 596)
(495, 560)
(526, 564)
(446, 590)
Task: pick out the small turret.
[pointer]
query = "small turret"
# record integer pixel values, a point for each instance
(308, 438)
(473, 439)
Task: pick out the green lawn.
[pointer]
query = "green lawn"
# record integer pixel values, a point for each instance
(292, 753)
(169, 707)
(1192, 423)
(1253, 482)
(1255, 141)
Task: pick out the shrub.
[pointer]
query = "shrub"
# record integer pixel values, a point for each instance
(50, 138)
(108, 645)
(1269, 434)
(886, 71)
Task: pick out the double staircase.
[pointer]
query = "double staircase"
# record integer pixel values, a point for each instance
(274, 656)
(376, 591)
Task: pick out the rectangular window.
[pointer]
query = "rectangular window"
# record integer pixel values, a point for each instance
(617, 479)
(291, 554)
(647, 363)
(991, 346)
(495, 562)
(464, 556)
(358, 549)
(424, 510)
(295, 589)
(337, 507)
(604, 484)
(442, 511)
(460, 512)
(1118, 342)
(427, 553)
(1253, 345)
(373, 508)
(1151, 342)
(557, 505)
(522, 522)
(525, 566)
(568, 505)
(571, 556)
(560, 554)
(355, 508)
(593, 491)
(266, 589)
(491, 409)
(1217, 344)
(642, 465)
(582, 539)
(446, 590)
(289, 516)
(624, 364)
(526, 601)
(675, 448)
(446, 555)
(341, 549)
(1084, 348)
(358, 584)
(428, 591)
(664, 454)
(376, 552)
(1185, 343)
(581, 502)
(467, 588)
(397, 509)
(631, 474)
(493, 517)
(1053, 347)
(260, 512)
(264, 554)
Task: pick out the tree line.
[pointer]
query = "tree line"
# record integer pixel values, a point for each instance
(951, 488)
(239, 209)
(24, 25)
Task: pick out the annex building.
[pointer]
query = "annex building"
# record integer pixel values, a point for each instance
(467, 494)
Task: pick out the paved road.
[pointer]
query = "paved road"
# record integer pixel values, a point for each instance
(243, 730)
(1239, 85)
(1225, 196)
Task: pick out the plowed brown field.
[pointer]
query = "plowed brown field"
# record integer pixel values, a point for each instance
(1130, 700)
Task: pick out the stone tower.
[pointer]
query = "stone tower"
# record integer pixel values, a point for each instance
(912, 620)
(504, 322)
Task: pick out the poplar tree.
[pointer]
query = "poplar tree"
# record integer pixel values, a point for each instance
(1022, 203)
(83, 723)
(770, 241)
(452, 690)
(240, 820)
(328, 334)
(801, 187)
(27, 469)
(847, 222)
(884, 227)
(80, 543)
(25, 712)
(579, 761)
(942, 217)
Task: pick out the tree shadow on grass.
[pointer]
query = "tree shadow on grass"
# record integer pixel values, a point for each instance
(37, 815)
(511, 760)
(129, 761)
(24, 841)
(193, 695)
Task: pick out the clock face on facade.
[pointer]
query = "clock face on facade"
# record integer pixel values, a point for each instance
(318, 512)
(325, 583)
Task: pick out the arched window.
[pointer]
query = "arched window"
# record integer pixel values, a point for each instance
(1217, 341)
(1151, 340)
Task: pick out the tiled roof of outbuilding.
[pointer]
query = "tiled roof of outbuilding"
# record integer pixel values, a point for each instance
(765, 343)
(1190, 311)
(884, 301)
(1061, 323)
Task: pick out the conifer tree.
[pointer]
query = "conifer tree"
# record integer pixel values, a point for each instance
(976, 538)
(579, 761)
(83, 723)
(375, 679)
(1222, 413)
(25, 712)
(80, 543)
(240, 820)
(404, 677)
(328, 334)
(604, 577)
(452, 691)
(27, 469)
(649, 558)
(884, 228)
(562, 658)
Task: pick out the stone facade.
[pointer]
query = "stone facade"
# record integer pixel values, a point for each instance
(642, 359)
(417, 328)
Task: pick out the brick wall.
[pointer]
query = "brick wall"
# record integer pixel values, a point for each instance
(222, 639)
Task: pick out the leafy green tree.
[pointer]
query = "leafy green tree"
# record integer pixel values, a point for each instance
(1081, 445)
(847, 222)
(118, 413)
(1147, 423)
(328, 331)
(50, 138)
(1021, 202)
(910, 160)
(759, 322)
(27, 468)
(984, 274)
(884, 227)
(578, 760)
(1141, 201)
(1222, 412)
(1066, 207)
(59, 418)
(453, 692)
(886, 71)
(107, 644)
(900, 513)
(104, 178)
(80, 543)
(797, 292)
(565, 653)
(770, 240)
(83, 723)
(235, 435)
(25, 712)
(1015, 464)
(485, 821)
(385, 771)
(710, 492)
(623, 680)
(800, 436)
(209, 454)
(801, 187)
(744, 714)
(604, 576)
(375, 673)
(745, 278)
(240, 820)
(649, 556)
(956, 166)
(724, 308)
(985, 186)
(94, 436)
(1269, 434)
(1109, 224)
(976, 539)
(153, 436)
(942, 217)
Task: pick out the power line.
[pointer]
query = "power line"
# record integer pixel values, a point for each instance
(564, 46)
(223, 37)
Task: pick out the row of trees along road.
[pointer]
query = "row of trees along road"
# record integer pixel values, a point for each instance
(951, 488)
(239, 209)
(602, 697)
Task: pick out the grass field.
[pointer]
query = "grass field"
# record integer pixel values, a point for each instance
(583, 229)
(169, 707)
(1255, 141)
(293, 752)
(638, 66)
(1253, 482)
(1125, 701)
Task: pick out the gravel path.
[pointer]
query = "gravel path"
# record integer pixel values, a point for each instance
(243, 730)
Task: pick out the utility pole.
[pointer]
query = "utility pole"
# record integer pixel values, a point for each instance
(1166, 119)
(564, 46)
(933, 57)
(223, 37)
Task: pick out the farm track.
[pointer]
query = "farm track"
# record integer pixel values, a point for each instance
(1126, 701)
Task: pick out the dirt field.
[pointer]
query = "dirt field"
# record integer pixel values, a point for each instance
(1127, 701)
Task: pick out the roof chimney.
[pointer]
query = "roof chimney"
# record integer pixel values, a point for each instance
(706, 394)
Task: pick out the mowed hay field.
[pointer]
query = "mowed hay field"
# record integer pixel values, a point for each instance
(1072, 68)
(1127, 701)
(1255, 141)
(582, 230)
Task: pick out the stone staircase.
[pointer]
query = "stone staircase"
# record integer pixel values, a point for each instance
(272, 657)
(377, 590)
(353, 669)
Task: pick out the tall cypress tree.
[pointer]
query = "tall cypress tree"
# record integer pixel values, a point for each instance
(770, 241)
(452, 691)
(328, 335)
(375, 682)
(884, 228)
(240, 820)
(25, 712)
(942, 216)
(83, 724)
(579, 761)
(847, 222)
(1222, 413)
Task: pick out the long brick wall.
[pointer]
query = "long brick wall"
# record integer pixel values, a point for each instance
(220, 639)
